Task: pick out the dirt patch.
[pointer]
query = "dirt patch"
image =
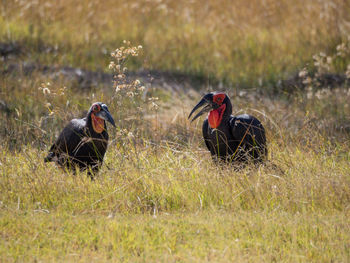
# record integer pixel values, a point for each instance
(85, 79)
(11, 53)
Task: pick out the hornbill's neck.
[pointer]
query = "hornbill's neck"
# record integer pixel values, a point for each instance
(220, 116)
(98, 122)
(228, 110)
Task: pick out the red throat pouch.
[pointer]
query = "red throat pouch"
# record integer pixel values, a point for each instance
(215, 116)
(98, 124)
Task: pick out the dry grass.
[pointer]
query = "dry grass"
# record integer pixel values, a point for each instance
(255, 42)
(158, 204)
(159, 197)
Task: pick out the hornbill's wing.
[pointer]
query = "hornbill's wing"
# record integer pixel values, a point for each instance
(249, 133)
(205, 131)
(69, 139)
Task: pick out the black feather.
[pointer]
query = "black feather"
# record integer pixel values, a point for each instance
(78, 145)
(237, 138)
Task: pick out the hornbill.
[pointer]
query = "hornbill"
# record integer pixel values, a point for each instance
(83, 142)
(230, 138)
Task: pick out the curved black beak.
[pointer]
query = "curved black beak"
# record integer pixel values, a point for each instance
(206, 100)
(105, 114)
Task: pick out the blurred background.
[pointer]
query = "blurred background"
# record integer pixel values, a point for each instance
(249, 43)
(268, 55)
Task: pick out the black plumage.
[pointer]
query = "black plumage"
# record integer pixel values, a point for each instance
(83, 142)
(231, 138)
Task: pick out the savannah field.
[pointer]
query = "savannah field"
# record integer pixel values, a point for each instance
(159, 197)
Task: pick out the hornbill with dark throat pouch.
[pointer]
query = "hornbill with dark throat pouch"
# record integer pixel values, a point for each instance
(230, 138)
(83, 142)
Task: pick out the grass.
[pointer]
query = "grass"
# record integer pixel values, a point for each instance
(246, 237)
(154, 204)
(159, 197)
(240, 42)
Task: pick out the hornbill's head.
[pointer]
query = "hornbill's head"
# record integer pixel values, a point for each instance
(217, 104)
(99, 113)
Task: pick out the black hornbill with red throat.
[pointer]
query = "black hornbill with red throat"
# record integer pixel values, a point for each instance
(83, 142)
(231, 138)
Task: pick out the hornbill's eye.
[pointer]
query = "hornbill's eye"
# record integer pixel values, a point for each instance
(96, 108)
(219, 98)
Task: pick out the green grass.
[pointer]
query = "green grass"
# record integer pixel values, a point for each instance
(159, 197)
(203, 236)
(160, 205)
